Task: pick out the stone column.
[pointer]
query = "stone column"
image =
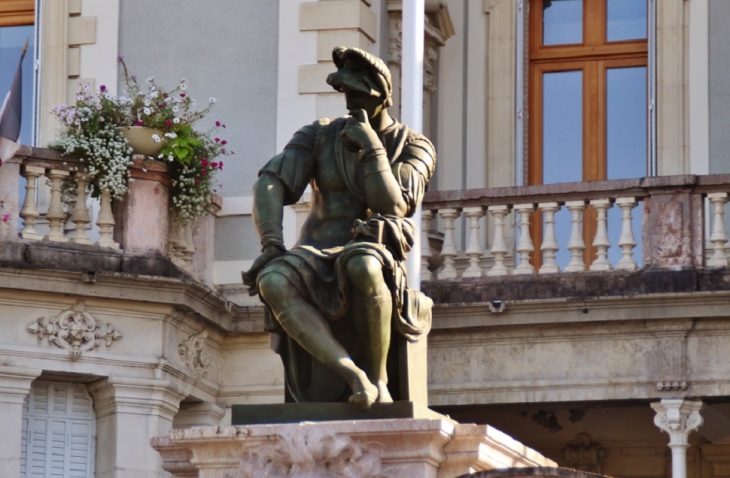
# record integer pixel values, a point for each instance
(14, 387)
(129, 412)
(678, 417)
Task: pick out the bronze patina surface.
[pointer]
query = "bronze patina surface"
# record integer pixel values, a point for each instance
(338, 299)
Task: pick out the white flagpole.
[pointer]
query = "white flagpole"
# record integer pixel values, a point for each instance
(412, 106)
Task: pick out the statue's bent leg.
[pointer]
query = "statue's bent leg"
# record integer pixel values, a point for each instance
(306, 325)
(371, 309)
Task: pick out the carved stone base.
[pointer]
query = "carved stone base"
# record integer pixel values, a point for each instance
(364, 448)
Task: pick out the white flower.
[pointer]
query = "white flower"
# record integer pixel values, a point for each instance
(154, 94)
(150, 79)
(147, 102)
(85, 86)
(175, 108)
(176, 120)
(212, 100)
(98, 106)
(183, 86)
(171, 135)
(80, 97)
(147, 111)
(156, 138)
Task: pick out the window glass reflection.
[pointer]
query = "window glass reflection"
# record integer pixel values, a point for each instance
(626, 122)
(562, 129)
(12, 40)
(626, 20)
(562, 22)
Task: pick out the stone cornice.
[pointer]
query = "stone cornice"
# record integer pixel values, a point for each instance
(168, 295)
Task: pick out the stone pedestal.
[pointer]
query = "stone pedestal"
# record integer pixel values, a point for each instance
(394, 448)
(143, 216)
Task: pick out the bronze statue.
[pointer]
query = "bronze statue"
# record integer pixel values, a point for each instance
(333, 300)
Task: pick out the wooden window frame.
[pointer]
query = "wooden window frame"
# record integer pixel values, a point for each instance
(17, 13)
(593, 56)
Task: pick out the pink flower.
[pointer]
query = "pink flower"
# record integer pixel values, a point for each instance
(197, 181)
(220, 165)
(168, 123)
(214, 165)
(217, 124)
(6, 217)
(223, 151)
(102, 88)
(224, 142)
(182, 95)
(139, 123)
(120, 58)
(217, 140)
(204, 162)
(204, 172)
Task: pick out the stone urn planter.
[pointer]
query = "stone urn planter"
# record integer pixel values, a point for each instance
(140, 139)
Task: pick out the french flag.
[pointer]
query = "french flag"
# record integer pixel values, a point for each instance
(11, 114)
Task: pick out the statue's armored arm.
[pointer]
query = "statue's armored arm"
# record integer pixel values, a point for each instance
(382, 190)
(268, 210)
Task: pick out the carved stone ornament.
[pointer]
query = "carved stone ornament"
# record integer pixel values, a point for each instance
(312, 454)
(677, 417)
(74, 330)
(584, 455)
(193, 352)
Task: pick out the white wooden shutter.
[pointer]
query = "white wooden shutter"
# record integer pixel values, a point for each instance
(58, 432)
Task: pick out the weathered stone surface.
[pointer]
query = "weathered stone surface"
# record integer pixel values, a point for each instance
(673, 230)
(576, 285)
(533, 472)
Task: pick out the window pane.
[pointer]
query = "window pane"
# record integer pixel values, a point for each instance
(626, 122)
(562, 127)
(626, 20)
(562, 22)
(12, 40)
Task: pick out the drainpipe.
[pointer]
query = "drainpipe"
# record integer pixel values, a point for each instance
(412, 106)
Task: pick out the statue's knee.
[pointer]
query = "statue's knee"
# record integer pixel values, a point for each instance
(274, 287)
(365, 272)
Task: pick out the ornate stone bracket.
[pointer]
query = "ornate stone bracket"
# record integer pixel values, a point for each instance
(193, 352)
(584, 455)
(74, 330)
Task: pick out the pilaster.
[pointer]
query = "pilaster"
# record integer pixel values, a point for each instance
(678, 417)
(14, 388)
(129, 412)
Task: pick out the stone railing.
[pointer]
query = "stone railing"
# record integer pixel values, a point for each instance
(56, 208)
(676, 213)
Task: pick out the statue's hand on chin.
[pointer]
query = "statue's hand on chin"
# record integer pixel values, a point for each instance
(249, 277)
(360, 135)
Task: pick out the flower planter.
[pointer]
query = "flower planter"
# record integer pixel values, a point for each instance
(140, 139)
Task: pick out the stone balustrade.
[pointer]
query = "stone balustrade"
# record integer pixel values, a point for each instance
(677, 214)
(62, 212)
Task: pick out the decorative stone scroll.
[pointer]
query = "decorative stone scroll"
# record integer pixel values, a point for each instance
(74, 330)
(196, 357)
(312, 453)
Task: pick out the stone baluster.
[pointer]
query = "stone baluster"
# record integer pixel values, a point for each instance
(719, 235)
(549, 245)
(105, 221)
(499, 246)
(626, 242)
(576, 245)
(55, 214)
(426, 220)
(601, 241)
(525, 245)
(474, 250)
(29, 211)
(80, 215)
(448, 251)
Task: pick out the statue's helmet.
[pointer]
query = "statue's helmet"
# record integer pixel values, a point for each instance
(349, 75)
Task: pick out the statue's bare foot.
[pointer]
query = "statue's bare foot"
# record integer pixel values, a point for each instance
(365, 393)
(383, 393)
